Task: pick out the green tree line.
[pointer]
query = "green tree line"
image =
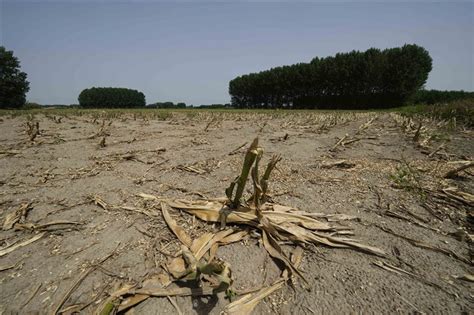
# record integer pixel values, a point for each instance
(371, 79)
(109, 97)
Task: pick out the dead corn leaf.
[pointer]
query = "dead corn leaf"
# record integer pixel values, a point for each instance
(247, 303)
(301, 226)
(18, 215)
(466, 277)
(175, 228)
(11, 248)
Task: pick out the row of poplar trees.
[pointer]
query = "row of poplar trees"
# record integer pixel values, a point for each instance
(371, 79)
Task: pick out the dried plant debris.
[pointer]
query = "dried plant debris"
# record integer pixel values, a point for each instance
(237, 150)
(276, 224)
(102, 132)
(466, 277)
(400, 271)
(248, 302)
(32, 129)
(50, 226)
(214, 123)
(285, 137)
(337, 164)
(339, 142)
(17, 216)
(102, 143)
(190, 169)
(462, 166)
(80, 279)
(416, 137)
(280, 222)
(9, 152)
(177, 236)
(15, 246)
(194, 262)
(151, 212)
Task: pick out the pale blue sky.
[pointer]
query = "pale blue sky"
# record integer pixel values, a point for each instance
(185, 51)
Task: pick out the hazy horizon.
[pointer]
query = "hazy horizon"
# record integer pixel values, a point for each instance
(188, 52)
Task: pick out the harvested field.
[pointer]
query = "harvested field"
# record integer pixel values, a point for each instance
(82, 198)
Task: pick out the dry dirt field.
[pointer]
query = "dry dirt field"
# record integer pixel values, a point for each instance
(75, 228)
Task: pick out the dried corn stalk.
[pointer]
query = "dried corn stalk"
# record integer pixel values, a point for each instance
(277, 223)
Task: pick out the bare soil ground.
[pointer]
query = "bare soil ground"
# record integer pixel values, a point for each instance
(382, 172)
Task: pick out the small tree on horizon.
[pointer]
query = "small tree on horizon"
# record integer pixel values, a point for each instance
(13, 83)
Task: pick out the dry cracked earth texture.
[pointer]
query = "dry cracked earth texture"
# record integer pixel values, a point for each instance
(75, 230)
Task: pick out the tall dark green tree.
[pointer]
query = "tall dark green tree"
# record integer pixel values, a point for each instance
(371, 79)
(13, 83)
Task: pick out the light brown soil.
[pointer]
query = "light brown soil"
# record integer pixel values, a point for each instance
(60, 171)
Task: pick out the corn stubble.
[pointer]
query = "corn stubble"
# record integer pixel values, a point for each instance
(275, 223)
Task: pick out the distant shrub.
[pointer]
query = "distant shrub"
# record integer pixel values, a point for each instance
(461, 110)
(162, 115)
(108, 97)
(436, 96)
(167, 105)
(32, 105)
(215, 106)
